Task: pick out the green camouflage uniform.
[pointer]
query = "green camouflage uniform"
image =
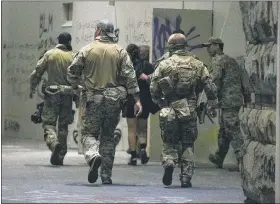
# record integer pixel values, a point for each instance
(233, 89)
(56, 107)
(178, 118)
(107, 69)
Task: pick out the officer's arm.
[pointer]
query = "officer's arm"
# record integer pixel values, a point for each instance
(127, 73)
(74, 71)
(154, 86)
(247, 87)
(217, 73)
(37, 74)
(209, 87)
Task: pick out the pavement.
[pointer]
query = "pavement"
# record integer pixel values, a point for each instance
(27, 176)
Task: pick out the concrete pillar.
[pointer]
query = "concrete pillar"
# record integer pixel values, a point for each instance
(277, 160)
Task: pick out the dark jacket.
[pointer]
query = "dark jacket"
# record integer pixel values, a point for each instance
(143, 66)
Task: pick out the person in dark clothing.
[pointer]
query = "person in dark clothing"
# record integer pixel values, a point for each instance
(137, 127)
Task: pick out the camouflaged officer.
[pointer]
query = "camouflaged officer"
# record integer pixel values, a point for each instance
(173, 87)
(56, 107)
(233, 88)
(108, 77)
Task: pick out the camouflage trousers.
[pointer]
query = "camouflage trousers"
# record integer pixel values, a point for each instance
(57, 110)
(178, 137)
(99, 121)
(229, 133)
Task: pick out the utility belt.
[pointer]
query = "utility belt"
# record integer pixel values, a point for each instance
(173, 99)
(110, 92)
(101, 90)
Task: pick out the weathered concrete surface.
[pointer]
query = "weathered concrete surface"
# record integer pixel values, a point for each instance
(27, 176)
(258, 172)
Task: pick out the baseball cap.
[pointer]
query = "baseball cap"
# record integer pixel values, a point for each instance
(64, 38)
(107, 27)
(212, 40)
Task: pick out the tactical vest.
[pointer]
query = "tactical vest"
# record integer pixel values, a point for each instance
(181, 81)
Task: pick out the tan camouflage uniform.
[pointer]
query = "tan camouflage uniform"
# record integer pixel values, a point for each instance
(233, 86)
(59, 106)
(178, 118)
(107, 69)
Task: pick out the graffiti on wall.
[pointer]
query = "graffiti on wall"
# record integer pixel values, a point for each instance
(11, 125)
(163, 28)
(20, 58)
(46, 40)
(46, 24)
(18, 64)
(136, 30)
(85, 32)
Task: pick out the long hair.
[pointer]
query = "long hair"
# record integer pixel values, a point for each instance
(134, 51)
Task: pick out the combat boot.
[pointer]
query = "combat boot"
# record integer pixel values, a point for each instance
(187, 170)
(61, 158)
(144, 157)
(218, 162)
(60, 163)
(93, 171)
(167, 176)
(55, 158)
(106, 181)
(185, 182)
(132, 161)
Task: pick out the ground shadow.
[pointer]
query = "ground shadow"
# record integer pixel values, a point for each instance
(203, 188)
(104, 185)
(55, 166)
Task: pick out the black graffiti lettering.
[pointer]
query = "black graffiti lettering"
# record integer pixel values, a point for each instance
(43, 27)
(11, 125)
(50, 25)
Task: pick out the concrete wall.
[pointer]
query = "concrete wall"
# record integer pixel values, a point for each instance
(23, 26)
(28, 29)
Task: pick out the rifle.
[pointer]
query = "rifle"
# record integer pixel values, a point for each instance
(203, 109)
(37, 116)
